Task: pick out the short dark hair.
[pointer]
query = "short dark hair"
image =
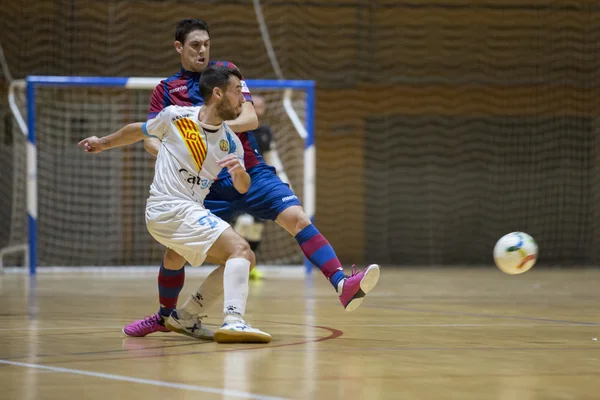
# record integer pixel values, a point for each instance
(186, 26)
(216, 76)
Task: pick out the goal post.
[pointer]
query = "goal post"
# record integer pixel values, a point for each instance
(283, 97)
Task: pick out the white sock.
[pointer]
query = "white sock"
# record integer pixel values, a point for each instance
(205, 296)
(232, 319)
(341, 286)
(235, 285)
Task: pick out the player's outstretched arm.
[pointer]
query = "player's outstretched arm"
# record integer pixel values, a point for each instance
(246, 121)
(239, 176)
(129, 134)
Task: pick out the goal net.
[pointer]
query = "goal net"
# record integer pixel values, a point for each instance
(90, 209)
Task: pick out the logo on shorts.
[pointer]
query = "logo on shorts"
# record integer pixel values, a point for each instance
(288, 198)
(224, 145)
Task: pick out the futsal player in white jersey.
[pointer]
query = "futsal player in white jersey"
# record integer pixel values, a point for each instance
(195, 146)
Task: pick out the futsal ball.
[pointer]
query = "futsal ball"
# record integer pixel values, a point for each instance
(515, 253)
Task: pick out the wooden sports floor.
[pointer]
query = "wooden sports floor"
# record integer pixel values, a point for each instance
(421, 334)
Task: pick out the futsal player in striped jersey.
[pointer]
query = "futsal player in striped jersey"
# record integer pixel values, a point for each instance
(268, 197)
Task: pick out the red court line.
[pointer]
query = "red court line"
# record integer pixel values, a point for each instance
(334, 334)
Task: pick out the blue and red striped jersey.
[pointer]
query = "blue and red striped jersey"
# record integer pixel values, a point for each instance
(182, 89)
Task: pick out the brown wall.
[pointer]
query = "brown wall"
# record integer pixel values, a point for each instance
(371, 60)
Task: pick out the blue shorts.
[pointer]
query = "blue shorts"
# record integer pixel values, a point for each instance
(267, 198)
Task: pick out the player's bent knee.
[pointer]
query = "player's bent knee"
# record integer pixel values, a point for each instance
(302, 221)
(172, 260)
(293, 219)
(242, 249)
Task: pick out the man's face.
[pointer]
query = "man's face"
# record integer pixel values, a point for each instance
(195, 52)
(230, 105)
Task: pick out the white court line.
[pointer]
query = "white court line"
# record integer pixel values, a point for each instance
(343, 325)
(272, 271)
(58, 329)
(194, 388)
(460, 325)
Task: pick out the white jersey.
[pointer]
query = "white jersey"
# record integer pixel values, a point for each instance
(186, 164)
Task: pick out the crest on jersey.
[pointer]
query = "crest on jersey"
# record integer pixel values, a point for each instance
(232, 146)
(224, 145)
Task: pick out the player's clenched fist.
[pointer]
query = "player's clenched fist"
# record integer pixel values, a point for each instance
(93, 144)
(235, 167)
(232, 163)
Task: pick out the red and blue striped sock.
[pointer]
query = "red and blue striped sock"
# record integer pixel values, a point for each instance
(318, 250)
(170, 283)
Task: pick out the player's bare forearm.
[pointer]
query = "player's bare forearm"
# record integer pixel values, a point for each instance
(129, 134)
(152, 145)
(239, 176)
(241, 181)
(247, 120)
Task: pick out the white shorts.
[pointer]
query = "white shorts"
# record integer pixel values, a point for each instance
(186, 227)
